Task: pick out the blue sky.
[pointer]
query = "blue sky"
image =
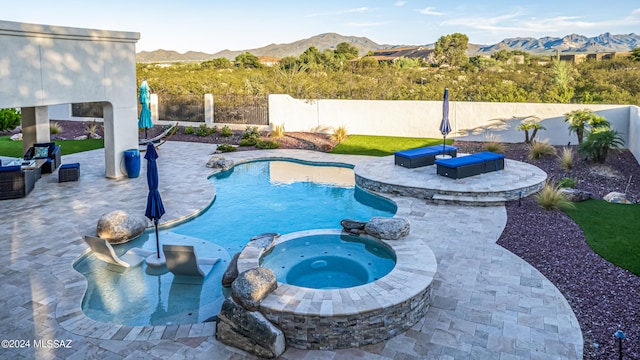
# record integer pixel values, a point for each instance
(211, 26)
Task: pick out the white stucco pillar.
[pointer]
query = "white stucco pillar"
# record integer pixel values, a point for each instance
(208, 110)
(153, 105)
(35, 126)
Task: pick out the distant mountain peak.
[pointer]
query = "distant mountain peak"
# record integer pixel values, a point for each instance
(572, 43)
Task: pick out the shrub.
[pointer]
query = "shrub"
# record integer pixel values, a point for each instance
(278, 131)
(55, 128)
(598, 142)
(9, 119)
(226, 131)
(204, 130)
(567, 182)
(580, 120)
(566, 158)
(551, 198)
(494, 146)
(340, 134)
(267, 144)
(540, 149)
(189, 130)
(226, 148)
(248, 141)
(251, 132)
(91, 130)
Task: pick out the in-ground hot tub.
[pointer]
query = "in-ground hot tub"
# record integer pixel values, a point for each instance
(329, 261)
(341, 317)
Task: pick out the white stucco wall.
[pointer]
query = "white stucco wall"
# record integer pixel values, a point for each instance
(469, 120)
(42, 65)
(633, 143)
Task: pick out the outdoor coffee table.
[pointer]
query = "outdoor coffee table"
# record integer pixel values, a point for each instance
(33, 164)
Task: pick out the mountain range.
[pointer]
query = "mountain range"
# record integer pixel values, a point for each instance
(568, 44)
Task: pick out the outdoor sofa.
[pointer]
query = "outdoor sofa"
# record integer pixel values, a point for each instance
(470, 165)
(48, 151)
(16, 182)
(424, 156)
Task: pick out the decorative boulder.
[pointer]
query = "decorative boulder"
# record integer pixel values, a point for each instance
(387, 228)
(253, 285)
(231, 273)
(249, 331)
(575, 195)
(119, 226)
(219, 162)
(617, 197)
(16, 137)
(353, 226)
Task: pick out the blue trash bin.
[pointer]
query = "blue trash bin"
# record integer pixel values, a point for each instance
(132, 162)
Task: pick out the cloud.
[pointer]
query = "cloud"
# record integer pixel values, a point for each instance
(429, 11)
(341, 12)
(400, 3)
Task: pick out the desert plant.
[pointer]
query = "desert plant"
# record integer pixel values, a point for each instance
(540, 149)
(9, 119)
(226, 148)
(552, 198)
(91, 130)
(251, 132)
(251, 141)
(55, 128)
(340, 134)
(598, 142)
(530, 124)
(567, 182)
(566, 158)
(203, 130)
(189, 130)
(494, 146)
(278, 131)
(267, 144)
(581, 120)
(226, 131)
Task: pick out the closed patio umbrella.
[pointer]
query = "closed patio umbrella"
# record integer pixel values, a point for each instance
(445, 127)
(144, 121)
(155, 208)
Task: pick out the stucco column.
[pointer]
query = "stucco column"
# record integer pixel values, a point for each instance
(35, 126)
(153, 105)
(208, 110)
(120, 134)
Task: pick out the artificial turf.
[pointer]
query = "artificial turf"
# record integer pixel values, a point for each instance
(381, 145)
(12, 148)
(611, 230)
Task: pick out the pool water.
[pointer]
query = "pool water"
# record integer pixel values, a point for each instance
(251, 199)
(329, 261)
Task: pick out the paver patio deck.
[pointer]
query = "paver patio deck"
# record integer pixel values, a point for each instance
(487, 303)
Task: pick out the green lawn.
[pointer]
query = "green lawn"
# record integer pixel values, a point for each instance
(612, 231)
(12, 148)
(381, 145)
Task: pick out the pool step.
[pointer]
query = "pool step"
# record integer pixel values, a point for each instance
(471, 200)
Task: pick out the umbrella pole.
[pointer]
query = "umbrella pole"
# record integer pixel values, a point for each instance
(444, 142)
(155, 221)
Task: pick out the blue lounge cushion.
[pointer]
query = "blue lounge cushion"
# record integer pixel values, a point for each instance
(9, 168)
(414, 153)
(459, 161)
(70, 166)
(447, 148)
(487, 155)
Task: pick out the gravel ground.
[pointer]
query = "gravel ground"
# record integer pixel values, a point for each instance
(604, 297)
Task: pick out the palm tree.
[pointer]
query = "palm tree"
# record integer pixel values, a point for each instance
(598, 142)
(580, 119)
(530, 124)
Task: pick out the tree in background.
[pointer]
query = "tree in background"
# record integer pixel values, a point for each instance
(635, 54)
(346, 51)
(563, 78)
(248, 60)
(217, 63)
(452, 49)
(9, 119)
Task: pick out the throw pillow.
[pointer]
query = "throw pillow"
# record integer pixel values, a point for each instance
(40, 152)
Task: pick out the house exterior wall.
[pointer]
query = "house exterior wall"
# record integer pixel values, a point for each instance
(44, 65)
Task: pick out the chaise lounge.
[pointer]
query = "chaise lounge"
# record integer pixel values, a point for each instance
(424, 156)
(104, 251)
(182, 261)
(470, 165)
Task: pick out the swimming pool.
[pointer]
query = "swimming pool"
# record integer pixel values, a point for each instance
(251, 198)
